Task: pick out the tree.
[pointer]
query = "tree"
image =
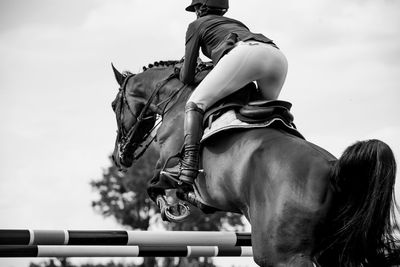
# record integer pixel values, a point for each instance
(58, 262)
(62, 263)
(123, 195)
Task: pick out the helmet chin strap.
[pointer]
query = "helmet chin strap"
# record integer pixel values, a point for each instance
(198, 13)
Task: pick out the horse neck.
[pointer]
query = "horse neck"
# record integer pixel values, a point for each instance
(172, 96)
(170, 132)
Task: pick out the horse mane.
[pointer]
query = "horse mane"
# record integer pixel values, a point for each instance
(156, 64)
(161, 63)
(201, 67)
(166, 63)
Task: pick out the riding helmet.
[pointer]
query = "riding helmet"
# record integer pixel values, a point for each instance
(221, 4)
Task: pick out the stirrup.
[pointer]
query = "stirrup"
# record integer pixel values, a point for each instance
(172, 212)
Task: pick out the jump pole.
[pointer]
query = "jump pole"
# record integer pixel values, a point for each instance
(18, 251)
(123, 238)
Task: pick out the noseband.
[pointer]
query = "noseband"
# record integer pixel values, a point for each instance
(125, 140)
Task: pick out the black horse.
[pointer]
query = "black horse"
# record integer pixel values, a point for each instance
(305, 207)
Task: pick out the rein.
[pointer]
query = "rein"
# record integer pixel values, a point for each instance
(126, 140)
(200, 68)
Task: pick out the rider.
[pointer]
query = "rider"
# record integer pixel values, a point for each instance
(239, 57)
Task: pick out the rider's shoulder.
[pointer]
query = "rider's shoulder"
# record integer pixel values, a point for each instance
(200, 22)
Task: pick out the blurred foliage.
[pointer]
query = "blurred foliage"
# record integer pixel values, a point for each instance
(64, 262)
(187, 262)
(123, 195)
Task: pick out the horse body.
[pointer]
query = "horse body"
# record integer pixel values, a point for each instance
(278, 181)
(283, 158)
(281, 183)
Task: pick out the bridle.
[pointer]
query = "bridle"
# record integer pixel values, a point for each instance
(128, 141)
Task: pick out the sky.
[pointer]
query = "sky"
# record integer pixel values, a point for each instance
(56, 86)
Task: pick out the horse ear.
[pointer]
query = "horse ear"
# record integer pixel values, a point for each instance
(118, 76)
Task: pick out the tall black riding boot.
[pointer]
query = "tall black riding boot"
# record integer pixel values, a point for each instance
(193, 131)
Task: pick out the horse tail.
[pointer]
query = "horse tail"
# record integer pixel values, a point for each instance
(363, 214)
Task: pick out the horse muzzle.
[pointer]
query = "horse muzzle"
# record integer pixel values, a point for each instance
(121, 158)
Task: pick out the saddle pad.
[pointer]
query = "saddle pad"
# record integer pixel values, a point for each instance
(229, 120)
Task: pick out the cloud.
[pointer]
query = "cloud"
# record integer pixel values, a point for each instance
(16, 14)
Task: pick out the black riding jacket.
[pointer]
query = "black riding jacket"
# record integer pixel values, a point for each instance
(216, 35)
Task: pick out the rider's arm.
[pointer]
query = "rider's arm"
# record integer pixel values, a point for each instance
(192, 48)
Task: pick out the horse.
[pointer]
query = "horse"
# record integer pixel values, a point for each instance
(305, 206)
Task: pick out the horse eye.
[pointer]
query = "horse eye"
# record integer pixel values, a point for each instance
(113, 105)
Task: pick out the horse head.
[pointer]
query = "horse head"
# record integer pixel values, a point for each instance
(136, 107)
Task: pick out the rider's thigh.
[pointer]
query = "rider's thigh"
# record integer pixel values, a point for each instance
(244, 64)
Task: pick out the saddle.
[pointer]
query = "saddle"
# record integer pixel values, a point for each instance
(248, 110)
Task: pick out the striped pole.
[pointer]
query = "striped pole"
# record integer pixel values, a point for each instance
(19, 251)
(123, 238)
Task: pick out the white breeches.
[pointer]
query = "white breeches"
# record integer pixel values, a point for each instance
(246, 62)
